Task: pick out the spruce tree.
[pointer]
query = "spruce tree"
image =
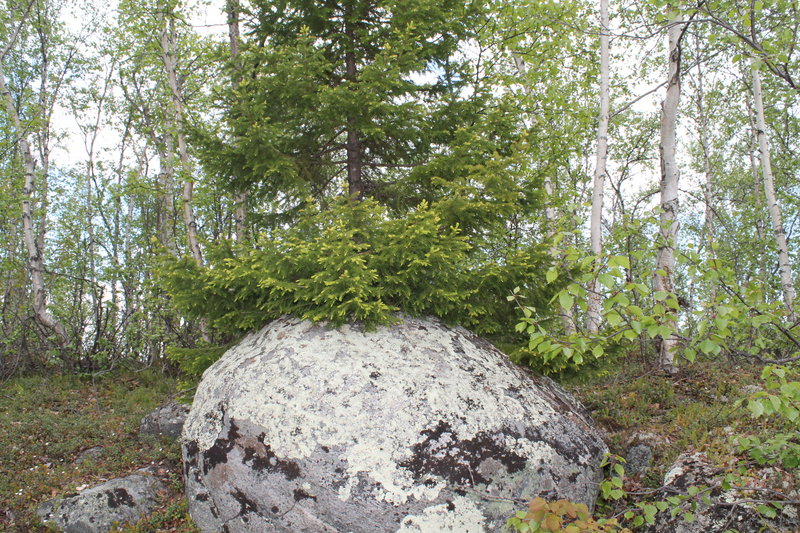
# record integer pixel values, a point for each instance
(369, 98)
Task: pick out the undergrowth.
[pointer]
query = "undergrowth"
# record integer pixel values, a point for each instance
(48, 421)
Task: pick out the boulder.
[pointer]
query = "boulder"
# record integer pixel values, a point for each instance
(98, 509)
(166, 420)
(410, 428)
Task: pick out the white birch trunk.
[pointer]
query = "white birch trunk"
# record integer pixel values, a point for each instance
(167, 41)
(36, 263)
(670, 176)
(708, 189)
(596, 229)
(168, 54)
(787, 279)
(758, 187)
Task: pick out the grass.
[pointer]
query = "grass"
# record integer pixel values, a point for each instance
(48, 421)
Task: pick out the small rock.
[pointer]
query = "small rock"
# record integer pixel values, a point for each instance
(747, 390)
(638, 459)
(166, 421)
(90, 454)
(729, 510)
(97, 509)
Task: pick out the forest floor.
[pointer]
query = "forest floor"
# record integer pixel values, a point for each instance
(46, 422)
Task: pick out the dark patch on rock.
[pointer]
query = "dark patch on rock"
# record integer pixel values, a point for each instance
(246, 505)
(218, 453)
(191, 450)
(202, 497)
(275, 509)
(451, 506)
(458, 347)
(374, 375)
(119, 496)
(300, 494)
(325, 449)
(266, 460)
(257, 462)
(458, 461)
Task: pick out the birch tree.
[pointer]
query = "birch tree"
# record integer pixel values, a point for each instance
(596, 230)
(32, 236)
(663, 279)
(167, 41)
(784, 263)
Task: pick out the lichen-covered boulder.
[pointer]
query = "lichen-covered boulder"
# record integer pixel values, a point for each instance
(413, 428)
(98, 509)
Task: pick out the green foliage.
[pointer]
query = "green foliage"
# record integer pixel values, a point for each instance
(194, 361)
(385, 73)
(726, 317)
(568, 517)
(352, 262)
(779, 403)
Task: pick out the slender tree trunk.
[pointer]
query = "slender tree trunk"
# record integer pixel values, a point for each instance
(165, 217)
(670, 176)
(550, 213)
(36, 263)
(240, 198)
(787, 279)
(168, 55)
(596, 229)
(758, 186)
(355, 179)
(708, 189)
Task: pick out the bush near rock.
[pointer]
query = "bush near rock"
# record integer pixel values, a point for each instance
(98, 509)
(415, 427)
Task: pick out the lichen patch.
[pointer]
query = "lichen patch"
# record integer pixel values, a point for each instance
(460, 515)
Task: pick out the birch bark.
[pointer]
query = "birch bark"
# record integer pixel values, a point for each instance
(167, 40)
(36, 262)
(784, 263)
(596, 229)
(34, 243)
(670, 176)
